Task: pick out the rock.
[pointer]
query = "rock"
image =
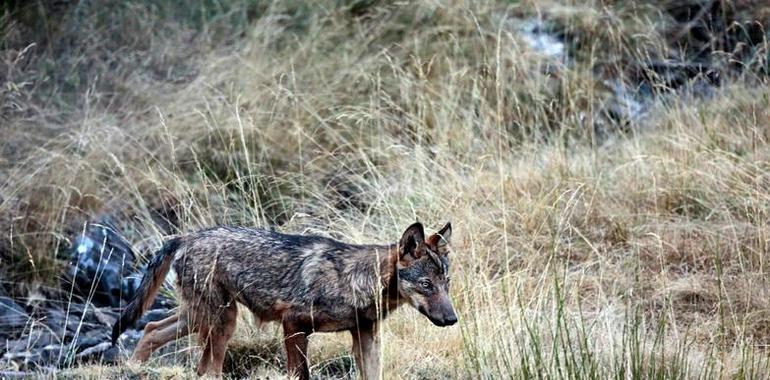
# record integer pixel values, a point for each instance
(18, 375)
(50, 355)
(38, 337)
(111, 355)
(73, 326)
(129, 339)
(78, 318)
(11, 314)
(61, 334)
(100, 264)
(22, 360)
(91, 315)
(105, 316)
(54, 319)
(13, 318)
(57, 330)
(90, 339)
(95, 353)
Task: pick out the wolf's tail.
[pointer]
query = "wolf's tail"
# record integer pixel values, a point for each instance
(148, 288)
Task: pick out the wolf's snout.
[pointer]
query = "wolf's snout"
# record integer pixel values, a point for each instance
(450, 319)
(445, 316)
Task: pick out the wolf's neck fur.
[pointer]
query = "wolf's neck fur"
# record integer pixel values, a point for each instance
(372, 276)
(389, 297)
(388, 266)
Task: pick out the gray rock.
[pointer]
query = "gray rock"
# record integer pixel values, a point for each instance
(38, 337)
(129, 339)
(77, 318)
(50, 355)
(105, 316)
(94, 353)
(12, 317)
(22, 360)
(18, 375)
(89, 339)
(101, 261)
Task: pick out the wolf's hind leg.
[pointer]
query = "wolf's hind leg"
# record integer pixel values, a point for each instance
(205, 360)
(219, 341)
(152, 326)
(159, 334)
(214, 338)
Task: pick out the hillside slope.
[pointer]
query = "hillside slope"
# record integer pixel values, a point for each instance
(604, 165)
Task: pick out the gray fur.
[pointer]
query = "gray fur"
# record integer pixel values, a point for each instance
(309, 283)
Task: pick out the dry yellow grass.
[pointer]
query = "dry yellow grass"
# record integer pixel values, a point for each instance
(637, 253)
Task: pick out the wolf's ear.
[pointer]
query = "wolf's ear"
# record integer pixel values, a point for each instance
(446, 234)
(412, 243)
(440, 240)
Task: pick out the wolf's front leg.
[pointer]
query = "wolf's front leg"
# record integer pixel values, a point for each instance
(295, 340)
(366, 350)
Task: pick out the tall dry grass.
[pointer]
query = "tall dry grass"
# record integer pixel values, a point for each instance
(585, 247)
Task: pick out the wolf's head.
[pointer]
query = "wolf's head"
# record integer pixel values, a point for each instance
(423, 273)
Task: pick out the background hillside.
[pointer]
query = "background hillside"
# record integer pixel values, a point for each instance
(604, 165)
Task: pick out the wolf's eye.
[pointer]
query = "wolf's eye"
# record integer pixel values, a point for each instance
(425, 284)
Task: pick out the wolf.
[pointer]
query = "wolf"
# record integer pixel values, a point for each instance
(307, 283)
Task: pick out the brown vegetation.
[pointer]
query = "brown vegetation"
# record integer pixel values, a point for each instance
(589, 240)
